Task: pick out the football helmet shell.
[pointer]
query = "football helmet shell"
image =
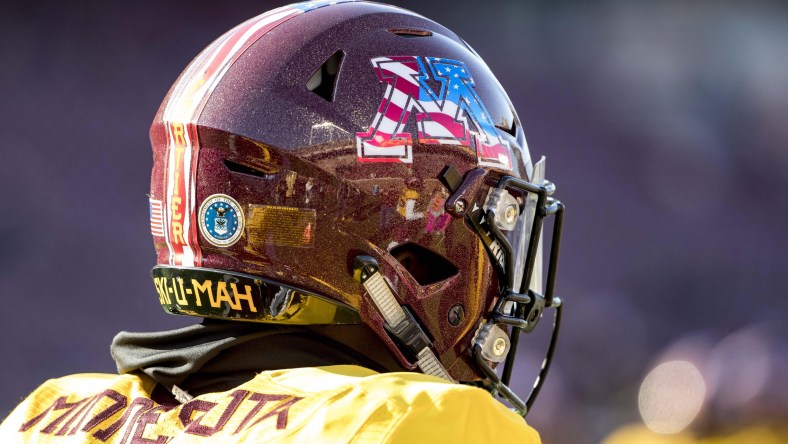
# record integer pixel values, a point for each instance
(323, 144)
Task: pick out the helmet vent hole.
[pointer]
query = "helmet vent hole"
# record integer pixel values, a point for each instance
(236, 167)
(410, 33)
(323, 81)
(512, 130)
(426, 266)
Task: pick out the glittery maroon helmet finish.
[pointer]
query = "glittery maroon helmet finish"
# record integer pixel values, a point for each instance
(308, 136)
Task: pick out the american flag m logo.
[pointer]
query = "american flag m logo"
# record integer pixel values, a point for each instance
(452, 115)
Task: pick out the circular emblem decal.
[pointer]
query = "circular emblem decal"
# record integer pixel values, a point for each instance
(221, 220)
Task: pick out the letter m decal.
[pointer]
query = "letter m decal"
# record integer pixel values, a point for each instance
(454, 115)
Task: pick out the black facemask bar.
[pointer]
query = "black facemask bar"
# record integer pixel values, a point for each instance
(528, 305)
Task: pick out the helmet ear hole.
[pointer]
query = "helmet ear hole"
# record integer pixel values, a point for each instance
(426, 266)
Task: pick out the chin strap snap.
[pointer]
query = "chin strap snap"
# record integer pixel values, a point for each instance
(399, 321)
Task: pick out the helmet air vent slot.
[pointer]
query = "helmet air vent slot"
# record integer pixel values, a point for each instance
(512, 130)
(426, 266)
(235, 167)
(410, 33)
(323, 81)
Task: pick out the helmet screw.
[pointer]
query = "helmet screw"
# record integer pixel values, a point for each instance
(456, 314)
(499, 347)
(510, 214)
(459, 206)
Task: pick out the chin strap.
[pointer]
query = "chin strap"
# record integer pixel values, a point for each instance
(399, 321)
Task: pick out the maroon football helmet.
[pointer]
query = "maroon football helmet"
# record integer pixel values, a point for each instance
(354, 163)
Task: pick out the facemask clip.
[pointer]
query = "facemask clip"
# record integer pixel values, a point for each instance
(505, 207)
(493, 342)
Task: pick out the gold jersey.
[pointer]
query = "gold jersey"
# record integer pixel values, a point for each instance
(336, 404)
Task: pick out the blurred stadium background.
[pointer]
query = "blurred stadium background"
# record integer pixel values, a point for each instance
(665, 125)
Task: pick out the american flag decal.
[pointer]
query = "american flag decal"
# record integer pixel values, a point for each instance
(442, 117)
(156, 218)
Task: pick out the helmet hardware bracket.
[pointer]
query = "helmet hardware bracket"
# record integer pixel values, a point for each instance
(398, 319)
(463, 190)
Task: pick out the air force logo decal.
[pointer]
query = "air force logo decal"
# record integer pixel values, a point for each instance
(454, 114)
(221, 220)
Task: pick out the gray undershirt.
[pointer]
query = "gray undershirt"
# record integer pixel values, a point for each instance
(219, 355)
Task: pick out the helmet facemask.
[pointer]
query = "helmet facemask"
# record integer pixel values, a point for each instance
(509, 221)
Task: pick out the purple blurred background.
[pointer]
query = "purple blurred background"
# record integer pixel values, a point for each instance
(665, 125)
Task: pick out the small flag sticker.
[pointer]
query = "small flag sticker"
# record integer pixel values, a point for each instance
(156, 218)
